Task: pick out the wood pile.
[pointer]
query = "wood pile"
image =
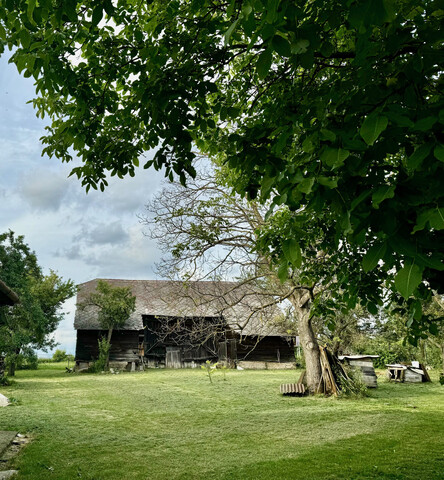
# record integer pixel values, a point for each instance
(333, 377)
(332, 373)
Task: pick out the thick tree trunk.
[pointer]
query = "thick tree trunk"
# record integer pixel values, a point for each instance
(11, 369)
(310, 348)
(13, 364)
(308, 341)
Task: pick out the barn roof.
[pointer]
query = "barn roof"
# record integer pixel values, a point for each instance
(7, 296)
(245, 310)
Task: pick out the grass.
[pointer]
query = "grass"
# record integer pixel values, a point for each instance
(173, 424)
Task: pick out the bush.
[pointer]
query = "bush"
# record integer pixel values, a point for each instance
(28, 362)
(354, 386)
(5, 381)
(59, 356)
(101, 363)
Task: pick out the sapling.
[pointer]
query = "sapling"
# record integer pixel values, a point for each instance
(209, 368)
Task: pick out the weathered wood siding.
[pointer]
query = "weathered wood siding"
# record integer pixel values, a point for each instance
(124, 345)
(367, 371)
(266, 349)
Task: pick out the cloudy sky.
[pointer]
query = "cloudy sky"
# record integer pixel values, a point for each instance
(81, 236)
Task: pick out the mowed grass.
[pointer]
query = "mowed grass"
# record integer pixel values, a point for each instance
(173, 424)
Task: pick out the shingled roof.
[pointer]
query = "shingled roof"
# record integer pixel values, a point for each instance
(244, 310)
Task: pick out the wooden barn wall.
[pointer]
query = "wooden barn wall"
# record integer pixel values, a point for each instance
(160, 347)
(267, 349)
(124, 345)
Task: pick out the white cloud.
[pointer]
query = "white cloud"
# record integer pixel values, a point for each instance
(43, 190)
(39, 201)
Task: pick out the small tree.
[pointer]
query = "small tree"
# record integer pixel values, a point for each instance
(59, 355)
(115, 305)
(28, 325)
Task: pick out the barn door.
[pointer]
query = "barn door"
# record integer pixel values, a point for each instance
(173, 358)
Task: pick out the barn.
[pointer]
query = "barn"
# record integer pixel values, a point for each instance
(182, 325)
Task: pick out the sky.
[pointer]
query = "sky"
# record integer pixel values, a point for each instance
(80, 236)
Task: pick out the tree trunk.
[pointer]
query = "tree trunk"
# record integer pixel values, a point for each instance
(11, 369)
(308, 340)
(13, 363)
(310, 348)
(442, 356)
(110, 334)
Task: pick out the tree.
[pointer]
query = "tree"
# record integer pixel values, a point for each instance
(436, 310)
(59, 355)
(114, 304)
(27, 325)
(207, 233)
(331, 108)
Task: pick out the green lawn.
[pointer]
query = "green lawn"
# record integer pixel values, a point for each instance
(173, 424)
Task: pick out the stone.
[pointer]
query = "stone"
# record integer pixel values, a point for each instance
(6, 438)
(3, 401)
(7, 474)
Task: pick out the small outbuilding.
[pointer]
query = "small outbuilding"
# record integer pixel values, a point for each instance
(365, 364)
(415, 373)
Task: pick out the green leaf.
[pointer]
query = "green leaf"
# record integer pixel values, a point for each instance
(435, 217)
(283, 271)
(407, 279)
(292, 252)
(307, 146)
(300, 46)
(25, 38)
(230, 31)
(400, 120)
(329, 182)
(70, 10)
(372, 127)
(281, 46)
(372, 257)
(263, 63)
(439, 152)
(425, 123)
(382, 193)
(327, 135)
(416, 158)
(306, 185)
(30, 11)
(334, 157)
(97, 15)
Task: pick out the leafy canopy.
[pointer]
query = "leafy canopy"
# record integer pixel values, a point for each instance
(332, 107)
(115, 304)
(28, 324)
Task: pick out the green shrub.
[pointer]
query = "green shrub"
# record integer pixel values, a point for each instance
(354, 385)
(5, 381)
(100, 364)
(59, 355)
(27, 362)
